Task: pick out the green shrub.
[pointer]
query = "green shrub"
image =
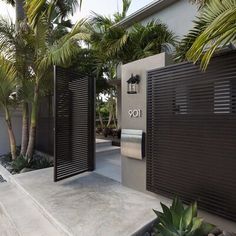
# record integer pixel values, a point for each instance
(40, 163)
(5, 158)
(20, 163)
(180, 221)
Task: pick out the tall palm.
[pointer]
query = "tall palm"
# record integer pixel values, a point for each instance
(58, 11)
(22, 70)
(214, 29)
(46, 55)
(39, 38)
(103, 31)
(7, 87)
(14, 46)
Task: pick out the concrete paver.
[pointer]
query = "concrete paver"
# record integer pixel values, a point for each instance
(90, 204)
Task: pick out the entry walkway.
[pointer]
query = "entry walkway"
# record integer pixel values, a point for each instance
(108, 159)
(20, 217)
(89, 204)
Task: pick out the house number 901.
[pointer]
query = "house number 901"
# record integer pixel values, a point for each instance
(136, 113)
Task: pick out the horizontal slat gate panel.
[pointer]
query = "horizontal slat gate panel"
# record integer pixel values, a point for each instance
(74, 123)
(191, 134)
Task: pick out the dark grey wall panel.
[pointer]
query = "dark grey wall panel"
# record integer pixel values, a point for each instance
(74, 123)
(191, 134)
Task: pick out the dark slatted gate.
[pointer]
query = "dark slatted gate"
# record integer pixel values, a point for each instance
(191, 134)
(74, 124)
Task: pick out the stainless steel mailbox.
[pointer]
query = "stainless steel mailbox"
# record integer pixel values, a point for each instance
(133, 143)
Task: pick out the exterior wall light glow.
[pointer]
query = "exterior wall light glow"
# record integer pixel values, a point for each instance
(133, 84)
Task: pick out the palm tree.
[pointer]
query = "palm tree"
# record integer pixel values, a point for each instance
(114, 45)
(52, 9)
(103, 31)
(13, 46)
(46, 55)
(33, 68)
(22, 69)
(7, 87)
(214, 29)
(146, 40)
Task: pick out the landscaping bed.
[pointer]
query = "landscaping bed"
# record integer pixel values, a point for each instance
(180, 220)
(214, 232)
(21, 164)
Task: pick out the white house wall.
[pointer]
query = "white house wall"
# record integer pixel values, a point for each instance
(134, 171)
(178, 17)
(4, 141)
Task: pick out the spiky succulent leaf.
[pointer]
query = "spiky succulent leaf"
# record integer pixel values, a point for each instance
(177, 206)
(183, 221)
(187, 217)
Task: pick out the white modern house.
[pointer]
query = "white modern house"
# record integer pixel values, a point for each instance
(165, 137)
(174, 142)
(176, 14)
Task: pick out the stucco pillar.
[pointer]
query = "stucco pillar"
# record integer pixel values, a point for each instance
(134, 171)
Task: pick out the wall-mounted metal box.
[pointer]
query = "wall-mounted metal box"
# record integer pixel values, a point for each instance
(133, 143)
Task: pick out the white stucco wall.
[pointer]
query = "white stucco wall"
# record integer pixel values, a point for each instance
(134, 171)
(4, 140)
(178, 17)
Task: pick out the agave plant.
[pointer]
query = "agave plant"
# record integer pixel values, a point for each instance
(180, 221)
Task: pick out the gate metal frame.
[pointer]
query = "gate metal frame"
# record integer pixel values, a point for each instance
(67, 157)
(164, 171)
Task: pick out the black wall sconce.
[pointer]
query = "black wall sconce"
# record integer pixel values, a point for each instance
(133, 84)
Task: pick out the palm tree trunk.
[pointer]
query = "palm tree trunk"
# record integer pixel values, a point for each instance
(20, 12)
(20, 16)
(11, 135)
(25, 128)
(114, 120)
(33, 123)
(101, 119)
(110, 118)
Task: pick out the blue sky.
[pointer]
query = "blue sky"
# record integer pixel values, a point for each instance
(109, 6)
(106, 7)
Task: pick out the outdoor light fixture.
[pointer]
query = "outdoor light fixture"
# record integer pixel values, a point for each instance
(133, 84)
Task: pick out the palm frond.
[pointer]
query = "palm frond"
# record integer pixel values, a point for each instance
(200, 3)
(62, 51)
(149, 40)
(125, 7)
(114, 40)
(60, 8)
(101, 22)
(219, 19)
(7, 38)
(65, 7)
(8, 81)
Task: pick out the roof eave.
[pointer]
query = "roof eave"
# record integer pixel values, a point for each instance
(145, 12)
